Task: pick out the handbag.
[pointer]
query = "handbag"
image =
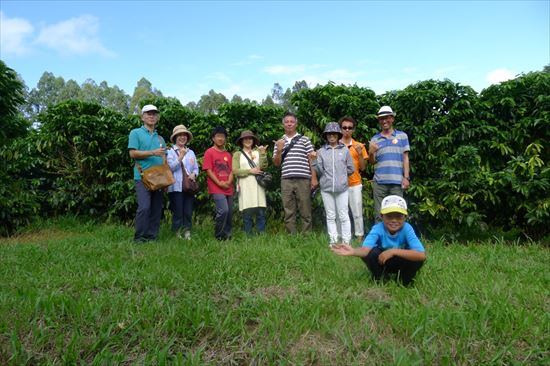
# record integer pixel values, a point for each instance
(188, 185)
(263, 178)
(158, 176)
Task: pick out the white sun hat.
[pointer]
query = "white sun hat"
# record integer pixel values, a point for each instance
(385, 111)
(148, 108)
(393, 203)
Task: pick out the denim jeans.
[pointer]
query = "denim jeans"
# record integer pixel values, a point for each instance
(148, 214)
(223, 216)
(248, 222)
(181, 204)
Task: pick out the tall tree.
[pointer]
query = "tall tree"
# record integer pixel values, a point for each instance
(71, 90)
(12, 124)
(211, 102)
(143, 90)
(48, 91)
(299, 85)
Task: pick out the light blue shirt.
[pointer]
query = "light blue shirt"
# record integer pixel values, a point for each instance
(405, 238)
(189, 162)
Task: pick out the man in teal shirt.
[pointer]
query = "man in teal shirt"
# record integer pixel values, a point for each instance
(147, 148)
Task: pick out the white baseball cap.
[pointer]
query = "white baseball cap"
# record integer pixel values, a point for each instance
(148, 108)
(385, 111)
(393, 204)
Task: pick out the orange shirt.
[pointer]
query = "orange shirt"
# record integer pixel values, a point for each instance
(355, 178)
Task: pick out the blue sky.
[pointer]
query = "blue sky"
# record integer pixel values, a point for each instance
(244, 47)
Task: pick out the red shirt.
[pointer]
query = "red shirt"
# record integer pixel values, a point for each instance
(220, 163)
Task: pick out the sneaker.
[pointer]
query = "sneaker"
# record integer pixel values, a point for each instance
(187, 235)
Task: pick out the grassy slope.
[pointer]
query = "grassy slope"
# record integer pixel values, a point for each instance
(82, 293)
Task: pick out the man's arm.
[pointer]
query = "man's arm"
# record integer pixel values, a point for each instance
(215, 179)
(406, 172)
(361, 153)
(277, 154)
(142, 154)
(373, 147)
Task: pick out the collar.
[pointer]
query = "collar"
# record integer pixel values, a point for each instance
(339, 146)
(146, 130)
(394, 133)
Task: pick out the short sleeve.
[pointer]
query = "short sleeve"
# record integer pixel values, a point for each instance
(133, 140)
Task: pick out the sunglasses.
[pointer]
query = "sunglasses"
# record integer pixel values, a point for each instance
(347, 128)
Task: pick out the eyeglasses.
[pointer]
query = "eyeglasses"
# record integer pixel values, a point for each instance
(347, 128)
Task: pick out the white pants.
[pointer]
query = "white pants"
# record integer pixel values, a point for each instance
(337, 204)
(356, 207)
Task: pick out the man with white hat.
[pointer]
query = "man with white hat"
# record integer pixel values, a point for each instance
(389, 152)
(147, 148)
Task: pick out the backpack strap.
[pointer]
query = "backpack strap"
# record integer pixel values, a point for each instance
(140, 169)
(287, 149)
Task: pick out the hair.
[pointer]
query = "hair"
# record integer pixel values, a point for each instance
(218, 129)
(347, 119)
(289, 113)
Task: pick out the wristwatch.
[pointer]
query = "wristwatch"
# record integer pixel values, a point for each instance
(408, 178)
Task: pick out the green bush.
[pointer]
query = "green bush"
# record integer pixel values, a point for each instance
(477, 161)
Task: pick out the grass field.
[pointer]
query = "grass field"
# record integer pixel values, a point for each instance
(73, 293)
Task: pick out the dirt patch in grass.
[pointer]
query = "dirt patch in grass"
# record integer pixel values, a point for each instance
(376, 294)
(273, 292)
(38, 237)
(314, 349)
(218, 352)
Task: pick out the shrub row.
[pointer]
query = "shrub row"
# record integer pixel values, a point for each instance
(477, 160)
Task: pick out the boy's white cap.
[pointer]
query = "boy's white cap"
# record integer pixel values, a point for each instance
(393, 204)
(148, 108)
(385, 111)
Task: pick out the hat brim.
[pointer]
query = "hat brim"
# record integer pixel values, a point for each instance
(340, 134)
(393, 209)
(385, 114)
(189, 135)
(256, 141)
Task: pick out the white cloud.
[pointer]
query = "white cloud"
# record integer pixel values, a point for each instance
(220, 76)
(499, 75)
(284, 69)
(249, 60)
(74, 36)
(13, 32)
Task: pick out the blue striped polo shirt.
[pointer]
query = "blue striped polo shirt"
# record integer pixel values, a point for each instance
(389, 157)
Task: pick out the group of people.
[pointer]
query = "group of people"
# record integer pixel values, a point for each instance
(335, 169)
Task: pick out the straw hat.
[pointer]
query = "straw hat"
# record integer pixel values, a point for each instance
(179, 129)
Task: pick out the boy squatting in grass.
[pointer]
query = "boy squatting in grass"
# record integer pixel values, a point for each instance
(391, 246)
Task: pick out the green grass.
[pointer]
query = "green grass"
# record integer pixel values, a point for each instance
(73, 293)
